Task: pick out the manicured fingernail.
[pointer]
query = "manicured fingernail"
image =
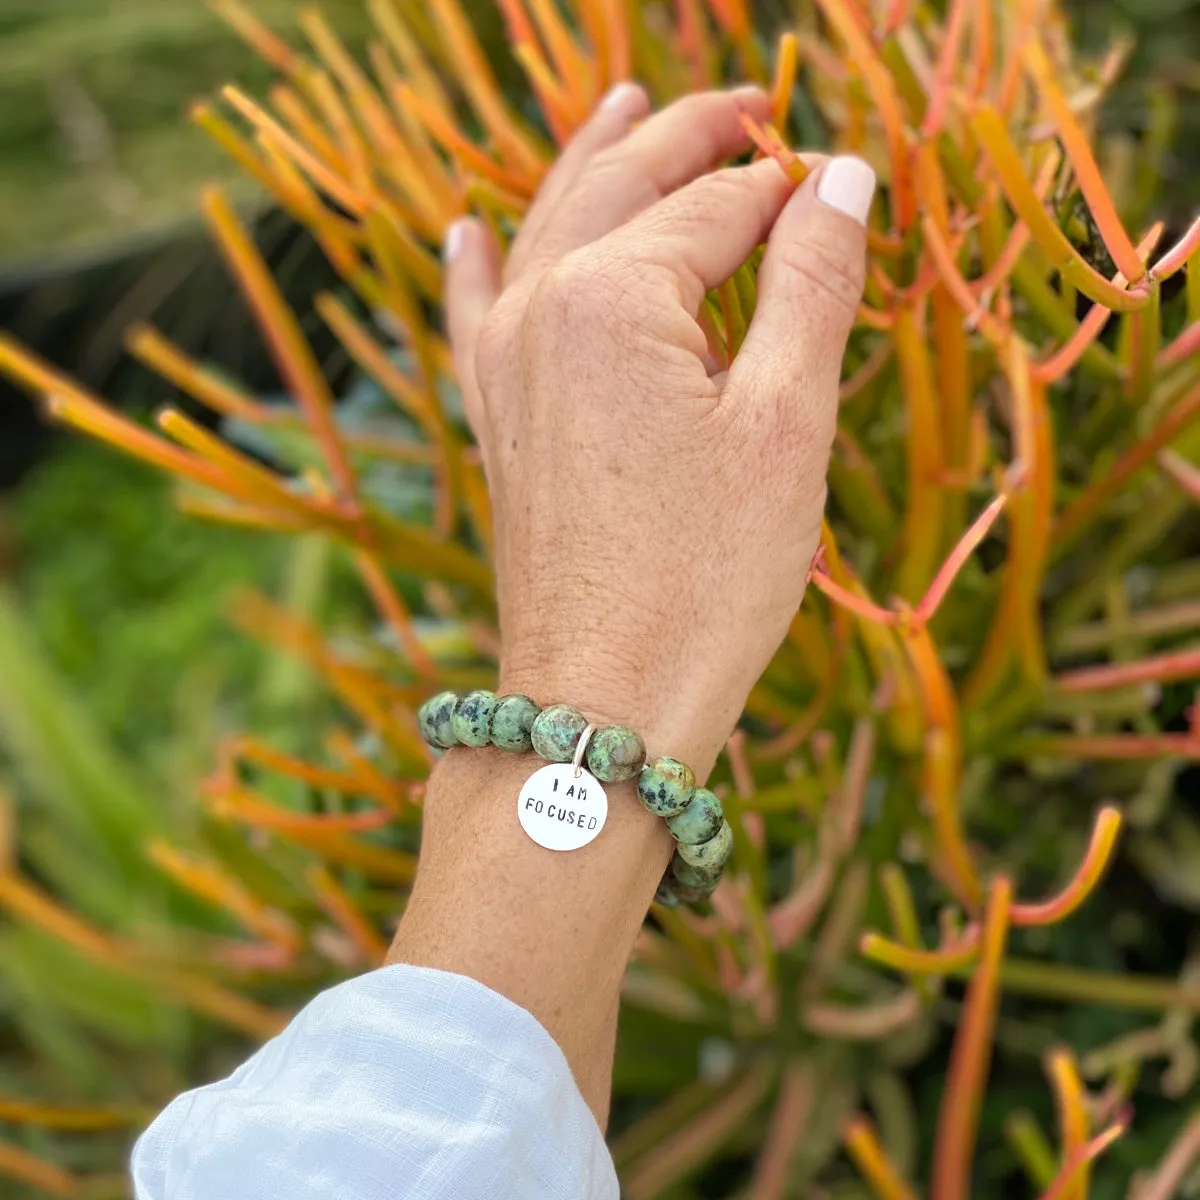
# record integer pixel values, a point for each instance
(621, 97)
(747, 91)
(848, 185)
(452, 247)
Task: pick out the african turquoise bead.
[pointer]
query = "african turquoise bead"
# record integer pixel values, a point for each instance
(555, 732)
(712, 854)
(665, 786)
(512, 719)
(615, 753)
(698, 822)
(690, 895)
(666, 894)
(691, 876)
(436, 719)
(473, 718)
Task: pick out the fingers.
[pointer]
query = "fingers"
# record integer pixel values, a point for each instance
(809, 285)
(614, 117)
(472, 285)
(700, 235)
(667, 151)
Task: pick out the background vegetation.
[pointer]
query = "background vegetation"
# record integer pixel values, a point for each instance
(121, 673)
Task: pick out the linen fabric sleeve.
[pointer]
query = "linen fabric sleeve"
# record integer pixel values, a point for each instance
(403, 1084)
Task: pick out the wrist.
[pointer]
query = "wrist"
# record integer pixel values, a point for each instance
(686, 715)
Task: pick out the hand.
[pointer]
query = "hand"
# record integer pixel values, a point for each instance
(656, 517)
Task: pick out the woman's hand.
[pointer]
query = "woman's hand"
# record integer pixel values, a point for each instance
(655, 517)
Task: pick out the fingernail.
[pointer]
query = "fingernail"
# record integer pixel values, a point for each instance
(848, 185)
(452, 247)
(747, 91)
(621, 97)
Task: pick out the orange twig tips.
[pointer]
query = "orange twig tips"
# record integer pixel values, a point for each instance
(771, 145)
(784, 81)
(1078, 1161)
(1180, 255)
(1087, 876)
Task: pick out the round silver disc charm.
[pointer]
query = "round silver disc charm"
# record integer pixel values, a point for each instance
(560, 810)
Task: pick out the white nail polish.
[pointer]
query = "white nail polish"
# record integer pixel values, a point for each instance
(619, 97)
(452, 246)
(847, 184)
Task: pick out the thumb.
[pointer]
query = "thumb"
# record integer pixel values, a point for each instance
(471, 287)
(809, 286)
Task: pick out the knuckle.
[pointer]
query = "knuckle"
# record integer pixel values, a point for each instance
(828, 265)
(712, 193)
(578, 291)
(493, 347)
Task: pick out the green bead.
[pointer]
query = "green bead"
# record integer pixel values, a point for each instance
(473, 718)
(666, 895)
(512, 719)
(665, 786)
(711, 854)
(691, 895)
(615, 753)
(555, 732)
(699, 877)
(700, 821)
(436, 718)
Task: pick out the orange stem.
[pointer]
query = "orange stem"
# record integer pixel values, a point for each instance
(914, 961)
(1180, 254)
(873, 1163)
(842, 15)
(214, 885)
(1084, 507)
(1077, 1163)
(953, 28)
(391, 605)
(989, 129)
(957, 558)
(331, 183)
(19, 1165)
(1166, 668)
(1182, 349)
(1072, 1118)
(787, 52)
(339, 906)
(1087, 172)
(962, 1094)
(292, 353)
(161, 355)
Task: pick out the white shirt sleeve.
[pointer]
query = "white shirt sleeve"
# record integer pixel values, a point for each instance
(403, 1084)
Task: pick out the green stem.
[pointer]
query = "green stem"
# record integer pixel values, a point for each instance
(1051, 981)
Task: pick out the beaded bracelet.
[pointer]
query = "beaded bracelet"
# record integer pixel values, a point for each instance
(562, 806)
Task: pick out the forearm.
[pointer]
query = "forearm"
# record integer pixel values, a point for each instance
(551, 931)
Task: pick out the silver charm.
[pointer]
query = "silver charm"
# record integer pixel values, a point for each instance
(562, 806)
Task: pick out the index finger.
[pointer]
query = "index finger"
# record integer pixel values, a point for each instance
(700, 235)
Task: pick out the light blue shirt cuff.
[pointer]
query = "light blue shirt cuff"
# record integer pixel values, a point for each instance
(403, 1084)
